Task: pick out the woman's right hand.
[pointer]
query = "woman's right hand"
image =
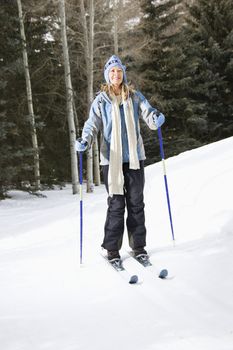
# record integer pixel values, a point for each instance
(81, 145)
(158, 119)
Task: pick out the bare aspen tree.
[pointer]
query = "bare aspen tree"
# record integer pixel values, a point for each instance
(124, 14)
(89, 71)
(69, 98)
(115, 26)
(89, 48)
(29, 99)
(76, 121)
(91, 51)
(91, 45)
(96, 162)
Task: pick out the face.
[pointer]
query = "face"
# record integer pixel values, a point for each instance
(116, 76)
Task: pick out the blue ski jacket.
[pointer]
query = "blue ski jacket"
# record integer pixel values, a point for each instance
(99, 120)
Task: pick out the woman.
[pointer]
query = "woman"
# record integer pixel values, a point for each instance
(115, 112)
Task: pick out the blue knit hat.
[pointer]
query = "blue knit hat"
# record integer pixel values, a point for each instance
(114, 61)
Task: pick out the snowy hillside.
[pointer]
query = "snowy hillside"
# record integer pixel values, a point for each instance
(47, 301)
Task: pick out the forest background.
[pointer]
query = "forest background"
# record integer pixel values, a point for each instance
(179, 53)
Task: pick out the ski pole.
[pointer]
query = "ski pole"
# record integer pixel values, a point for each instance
(165, 179)
(81, 204)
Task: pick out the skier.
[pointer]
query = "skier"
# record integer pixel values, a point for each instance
(115, 112)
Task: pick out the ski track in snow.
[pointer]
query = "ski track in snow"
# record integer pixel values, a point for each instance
(49, 302)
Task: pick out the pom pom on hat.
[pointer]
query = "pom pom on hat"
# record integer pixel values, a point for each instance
(114, 61)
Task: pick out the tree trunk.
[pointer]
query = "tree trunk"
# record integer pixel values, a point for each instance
(96, 162)
(69, 98)
(95, 159)
(89, 67)
(115, 27)
(29, 100)
(76, 121)
(89, 48)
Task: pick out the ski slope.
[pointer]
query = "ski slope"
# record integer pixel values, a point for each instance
(47, 301)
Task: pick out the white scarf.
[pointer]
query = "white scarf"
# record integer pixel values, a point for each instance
(115, 173)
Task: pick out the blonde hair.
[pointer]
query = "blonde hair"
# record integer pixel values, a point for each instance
(126, 90)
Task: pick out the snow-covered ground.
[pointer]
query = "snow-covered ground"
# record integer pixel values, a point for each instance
(47, 301)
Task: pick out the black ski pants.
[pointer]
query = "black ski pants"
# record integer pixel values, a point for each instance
(133, 200)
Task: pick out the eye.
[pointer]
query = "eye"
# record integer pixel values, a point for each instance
(115, 70)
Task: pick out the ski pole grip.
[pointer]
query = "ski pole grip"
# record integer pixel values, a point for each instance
(81, 168)
(81, 204)
(161, 143)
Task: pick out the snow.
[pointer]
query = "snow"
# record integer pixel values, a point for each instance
(48, 301)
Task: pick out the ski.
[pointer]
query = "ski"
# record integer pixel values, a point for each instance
(143, 259)
(117, 265)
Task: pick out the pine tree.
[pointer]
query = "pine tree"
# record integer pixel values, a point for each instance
(208, 51)
(159, 52)
(44, 50)
(45, 57)
(161, 64)
(10, 72)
